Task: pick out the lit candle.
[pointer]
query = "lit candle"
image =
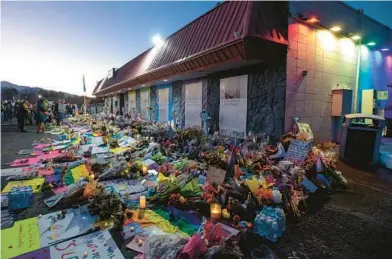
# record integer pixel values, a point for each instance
(91, 177)
(215, 211)
(132, 229)
(142, 202)
(105, 225)
(140, 242)
(85, 254)
(144, 169)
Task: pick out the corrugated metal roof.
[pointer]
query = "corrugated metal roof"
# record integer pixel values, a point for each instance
(225, 24)
(212, 29)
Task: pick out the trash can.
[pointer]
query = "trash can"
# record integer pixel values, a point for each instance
(360, 138)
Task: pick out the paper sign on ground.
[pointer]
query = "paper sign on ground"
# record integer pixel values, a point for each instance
(43, 253)
(60, 189)
(79, 171)
(97, 245)
(96, 149)
(12, 171)
(131, 230)
(228, 231)
(297, 152)
(215, 175)
(50, 202)
(26, 162)
(97, 141)
(45, 171)
(52, 230)
(36, 184)
(22, 238)
(7, 219)
(134, 245)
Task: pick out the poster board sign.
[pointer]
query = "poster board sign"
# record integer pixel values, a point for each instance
(97, 245)
(35, 184)
(305, 128)
(297, 152)
(215, 175)
(53, 230)
(193, 104)
(131, 101)
(22, 238)
(145, 103)
(80, 171)
(163, 104)
(233, 106)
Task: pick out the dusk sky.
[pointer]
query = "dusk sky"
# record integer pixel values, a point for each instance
(52, 44)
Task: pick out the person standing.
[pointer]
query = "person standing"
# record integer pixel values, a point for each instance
(60, 109)
(21, 115)
(41, 116)
(9, 110)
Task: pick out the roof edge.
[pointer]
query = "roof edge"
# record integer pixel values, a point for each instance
(215, 48)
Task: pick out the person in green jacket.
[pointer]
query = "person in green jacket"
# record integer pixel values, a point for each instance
(41, 116)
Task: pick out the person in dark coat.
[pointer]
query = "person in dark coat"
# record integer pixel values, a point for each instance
(21, 114)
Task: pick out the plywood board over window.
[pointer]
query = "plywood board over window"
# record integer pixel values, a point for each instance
(233, 106)
(193, 104)
(145, 104)
(164, 102)
(131, 102)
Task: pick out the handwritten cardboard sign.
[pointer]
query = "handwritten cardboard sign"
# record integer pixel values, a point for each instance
(215, 175)
(53, 230)
(97, 245)
(297, 152)
(22, 238)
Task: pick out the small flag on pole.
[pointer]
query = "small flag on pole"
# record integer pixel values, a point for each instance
(84, 85)
(85, 96)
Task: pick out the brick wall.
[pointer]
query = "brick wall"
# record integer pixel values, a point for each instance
(330, 62)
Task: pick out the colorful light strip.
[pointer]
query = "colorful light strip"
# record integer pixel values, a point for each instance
(356, 37)
(336, 29)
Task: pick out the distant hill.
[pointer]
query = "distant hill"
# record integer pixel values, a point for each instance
(10, 91)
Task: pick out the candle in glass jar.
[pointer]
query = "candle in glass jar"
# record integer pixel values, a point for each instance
(144, 169)
(215, 211)
(142, 202)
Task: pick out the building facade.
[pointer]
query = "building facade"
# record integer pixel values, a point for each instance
(255, 66)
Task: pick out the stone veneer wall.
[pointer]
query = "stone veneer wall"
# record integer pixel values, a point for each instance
(211, 100)
(153, 102)
(266, 96)
(138, 106)
(178, 102)
(266, 99)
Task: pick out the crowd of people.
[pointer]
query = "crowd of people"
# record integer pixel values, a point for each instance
(41, 112)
